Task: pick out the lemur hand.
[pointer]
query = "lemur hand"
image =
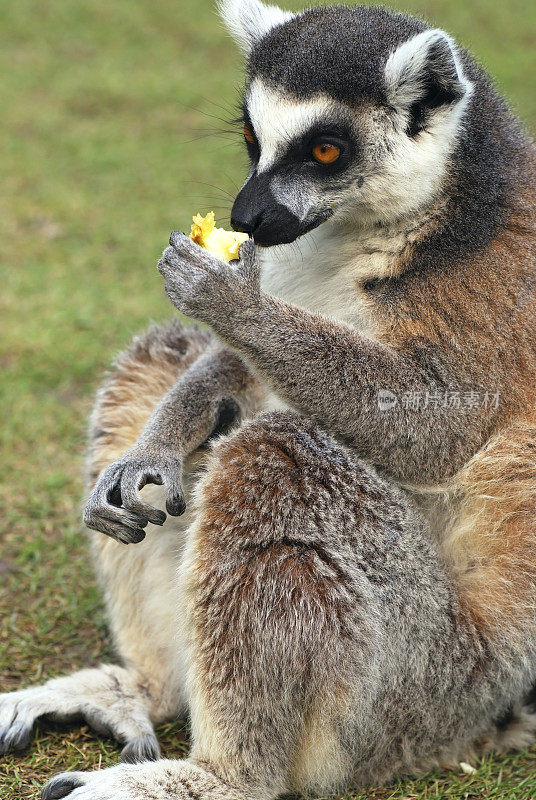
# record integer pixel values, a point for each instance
(204, 287)
(115, 506)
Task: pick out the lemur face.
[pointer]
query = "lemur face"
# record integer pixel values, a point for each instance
(348, 113)
(304, 157)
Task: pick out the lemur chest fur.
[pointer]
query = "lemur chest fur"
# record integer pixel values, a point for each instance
(327, 271)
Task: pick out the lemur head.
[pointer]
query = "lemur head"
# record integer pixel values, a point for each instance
(349, 112)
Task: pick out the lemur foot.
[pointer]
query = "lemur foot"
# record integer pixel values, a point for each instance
(107, 698)
(161, 780)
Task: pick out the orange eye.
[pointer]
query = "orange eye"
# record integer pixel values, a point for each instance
(248, 133)
(326, 153)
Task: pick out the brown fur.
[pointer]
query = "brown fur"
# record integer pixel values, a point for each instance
(485, 330)
(478, 315)
(244, 539)
(492, 543)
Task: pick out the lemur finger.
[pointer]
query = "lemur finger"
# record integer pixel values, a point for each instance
(248, 262)
(103, 504)
(173, 266)
(175, 502)
(62, 785)
(185, 255)
(131, 483)
(119, 523)
(106, 492)
(175, 283)
(183, 247)
(103, 510)
(179, 240)
(118, 532)
(174, 257)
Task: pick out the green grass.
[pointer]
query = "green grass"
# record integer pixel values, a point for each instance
(100, 103)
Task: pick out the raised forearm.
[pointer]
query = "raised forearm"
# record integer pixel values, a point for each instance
(332, 373)
(360, 389)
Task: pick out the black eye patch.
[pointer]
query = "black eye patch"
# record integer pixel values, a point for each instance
(330, 133)
(299, 153)
(252, 144)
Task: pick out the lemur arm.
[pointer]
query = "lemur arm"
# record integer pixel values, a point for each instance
(209, 396)
(355, 388)
(328, 370)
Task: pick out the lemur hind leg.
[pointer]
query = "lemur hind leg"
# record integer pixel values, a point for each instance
(111, 699)
(283, 624)
(139, 582)
(327, 643)
(491, 548)
(318, 623)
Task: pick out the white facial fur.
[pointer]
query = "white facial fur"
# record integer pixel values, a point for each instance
(410, 171)
(414, 168)
(250, 20)
(324, 271)
(278, 119)
(401, 174)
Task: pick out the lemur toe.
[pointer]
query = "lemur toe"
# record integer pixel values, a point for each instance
(16, 724)
(17, 737)
(142, 748)
(61, 786)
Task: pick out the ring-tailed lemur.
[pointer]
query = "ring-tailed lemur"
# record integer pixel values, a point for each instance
(356, 582)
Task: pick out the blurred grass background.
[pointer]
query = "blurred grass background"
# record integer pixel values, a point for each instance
(107, 111)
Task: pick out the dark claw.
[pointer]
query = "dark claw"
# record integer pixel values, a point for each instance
(247, 249)
(134, 536)
(143, 748)
(176, 506)
(156, 517)
(60, 788)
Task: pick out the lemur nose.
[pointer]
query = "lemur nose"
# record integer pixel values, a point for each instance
(245, 224)
(247, 211)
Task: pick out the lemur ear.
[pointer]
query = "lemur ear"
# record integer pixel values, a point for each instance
(249, 20)
(424, 74)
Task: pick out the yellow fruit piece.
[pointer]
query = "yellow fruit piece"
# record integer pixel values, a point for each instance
(221, 243)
